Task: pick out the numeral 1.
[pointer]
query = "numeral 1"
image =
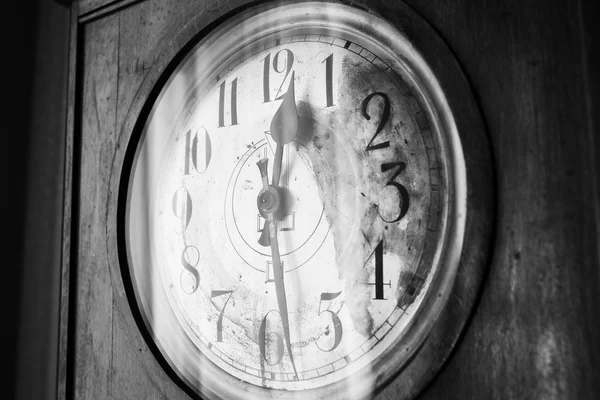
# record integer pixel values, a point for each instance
(266, 78)
(329, 79)
(234, 120)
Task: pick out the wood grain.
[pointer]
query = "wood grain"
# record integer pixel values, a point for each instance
(136, 372)
(113, 360)
(87, 7)
(535, 332)
(93, 342)
(66, 316)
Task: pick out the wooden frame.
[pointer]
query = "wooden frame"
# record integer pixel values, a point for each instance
(537, 92)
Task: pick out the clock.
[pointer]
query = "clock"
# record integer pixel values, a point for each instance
(295, 206)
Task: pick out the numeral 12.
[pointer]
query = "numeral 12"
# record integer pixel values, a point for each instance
(287, 68)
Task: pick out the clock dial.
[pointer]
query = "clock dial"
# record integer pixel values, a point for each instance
(289, 208)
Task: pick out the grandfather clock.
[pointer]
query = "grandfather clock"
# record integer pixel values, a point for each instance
(343, 200)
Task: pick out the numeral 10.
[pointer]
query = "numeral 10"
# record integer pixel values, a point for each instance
(199, 160)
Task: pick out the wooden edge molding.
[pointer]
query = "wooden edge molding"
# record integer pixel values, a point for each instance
(69, 224)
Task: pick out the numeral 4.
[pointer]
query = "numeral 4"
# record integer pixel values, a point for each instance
(379, 283)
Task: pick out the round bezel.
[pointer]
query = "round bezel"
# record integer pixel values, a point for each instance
(224, 43)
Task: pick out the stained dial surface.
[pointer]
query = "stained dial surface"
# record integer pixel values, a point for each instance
(360, 210)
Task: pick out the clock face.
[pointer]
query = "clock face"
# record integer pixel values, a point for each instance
(290, 206)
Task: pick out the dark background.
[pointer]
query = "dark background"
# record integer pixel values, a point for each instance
(35, 54)
(550, 237)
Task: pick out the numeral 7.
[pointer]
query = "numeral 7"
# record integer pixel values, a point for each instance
(217, 293)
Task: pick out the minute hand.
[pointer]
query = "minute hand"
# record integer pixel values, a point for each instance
(277, 267)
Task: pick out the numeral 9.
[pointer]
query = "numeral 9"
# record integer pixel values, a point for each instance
(182, 208)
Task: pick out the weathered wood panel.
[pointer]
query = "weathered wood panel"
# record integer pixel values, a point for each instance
(535, 333)
(120, 48)
(142, 28)
(90, 6)
(93, 341)
(68, 218)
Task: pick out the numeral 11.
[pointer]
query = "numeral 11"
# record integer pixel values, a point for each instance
(234, 120)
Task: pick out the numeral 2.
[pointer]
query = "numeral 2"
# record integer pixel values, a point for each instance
(384, 118)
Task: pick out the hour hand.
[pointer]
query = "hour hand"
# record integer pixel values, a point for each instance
(264, 239)
(284, 127)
